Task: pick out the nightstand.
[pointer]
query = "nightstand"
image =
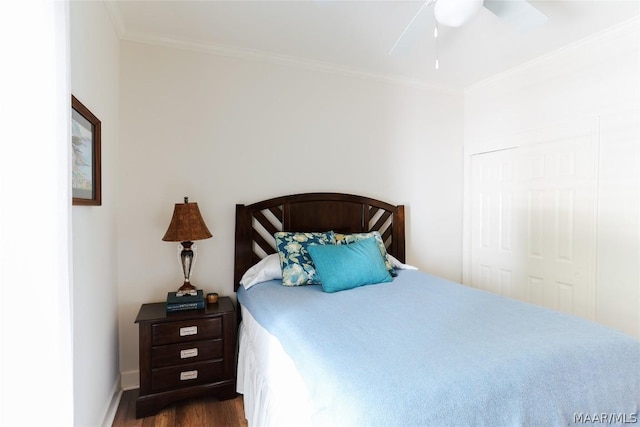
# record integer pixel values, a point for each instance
(186, 354)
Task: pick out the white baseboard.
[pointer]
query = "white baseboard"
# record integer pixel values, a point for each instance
(116, 394)
(130, 380)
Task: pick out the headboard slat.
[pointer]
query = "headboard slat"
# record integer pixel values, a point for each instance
(380, 222)
(373, 211)
(386, 235)
(263, 221)
(277, 212)
(262, 243)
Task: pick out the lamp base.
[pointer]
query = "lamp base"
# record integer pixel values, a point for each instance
(186, 293)
(187, 256)
(187, 289)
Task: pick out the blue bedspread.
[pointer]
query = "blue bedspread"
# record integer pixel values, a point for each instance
(425, 351)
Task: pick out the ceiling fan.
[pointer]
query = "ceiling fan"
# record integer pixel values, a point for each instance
(454, 13)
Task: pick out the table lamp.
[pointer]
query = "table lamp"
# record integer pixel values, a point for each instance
(186, 225)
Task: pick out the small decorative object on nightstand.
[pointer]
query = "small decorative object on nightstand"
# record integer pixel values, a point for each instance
(212, 298)
(185, 354)
(186, 225)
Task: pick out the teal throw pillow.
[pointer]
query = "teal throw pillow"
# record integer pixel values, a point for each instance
(297, 266)
(343, 267)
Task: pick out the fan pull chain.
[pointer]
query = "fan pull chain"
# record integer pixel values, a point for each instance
(435, 36)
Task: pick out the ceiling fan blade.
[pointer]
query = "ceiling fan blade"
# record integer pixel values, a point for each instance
(519, 13)
(413, 30)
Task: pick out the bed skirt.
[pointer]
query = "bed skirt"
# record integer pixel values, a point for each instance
(273, 391)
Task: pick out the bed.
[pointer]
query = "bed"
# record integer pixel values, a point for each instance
(412, 349)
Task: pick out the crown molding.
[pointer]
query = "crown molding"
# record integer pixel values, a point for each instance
(268, 57)
(285, 60)
(615, 32)
(116, 18)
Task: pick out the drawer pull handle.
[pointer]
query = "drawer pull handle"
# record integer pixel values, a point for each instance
(190, 352)
(188, 330)
(188, 375)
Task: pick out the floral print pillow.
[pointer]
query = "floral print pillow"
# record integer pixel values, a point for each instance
(295, 261)
(345, 239)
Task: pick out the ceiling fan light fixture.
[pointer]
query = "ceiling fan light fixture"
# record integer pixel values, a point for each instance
(454, 13)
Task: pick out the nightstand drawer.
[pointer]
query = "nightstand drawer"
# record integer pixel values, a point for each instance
(186, 375)
(186, 330)
(190, 352)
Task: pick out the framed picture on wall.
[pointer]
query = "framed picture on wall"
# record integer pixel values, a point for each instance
(85, 143)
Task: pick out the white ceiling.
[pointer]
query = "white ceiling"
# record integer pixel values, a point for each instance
(356, 36)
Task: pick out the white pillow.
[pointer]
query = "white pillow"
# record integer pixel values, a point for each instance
(267, 269)
(398, 265)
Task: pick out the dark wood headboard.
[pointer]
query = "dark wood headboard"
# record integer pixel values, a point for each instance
(342, 213)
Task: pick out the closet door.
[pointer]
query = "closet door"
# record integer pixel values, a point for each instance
(533, 223)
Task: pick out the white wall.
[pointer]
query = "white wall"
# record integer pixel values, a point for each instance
(224, 131)
(35, 203)
(595, 81)
(94, 81)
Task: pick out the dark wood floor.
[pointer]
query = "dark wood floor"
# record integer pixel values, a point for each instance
(205, 412)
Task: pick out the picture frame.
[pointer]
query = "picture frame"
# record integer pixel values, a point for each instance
(86, 185)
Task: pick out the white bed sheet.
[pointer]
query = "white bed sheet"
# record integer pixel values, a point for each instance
(274, 393)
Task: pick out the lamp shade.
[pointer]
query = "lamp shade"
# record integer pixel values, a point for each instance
(186, 224)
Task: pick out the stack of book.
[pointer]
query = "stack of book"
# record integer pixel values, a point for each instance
(185, 302)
